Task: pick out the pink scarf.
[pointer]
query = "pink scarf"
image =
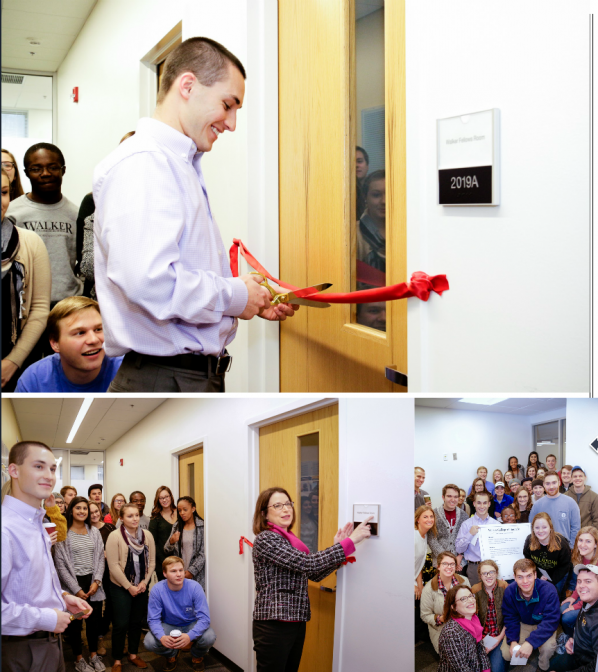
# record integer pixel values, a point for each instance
(473, 627)
(290, 537)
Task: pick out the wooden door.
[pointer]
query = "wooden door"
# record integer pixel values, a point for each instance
(325, 350)
(301, 455)
(191, 477)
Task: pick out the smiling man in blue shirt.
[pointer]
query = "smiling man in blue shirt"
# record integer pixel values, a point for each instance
(162, 272)
(178, 604)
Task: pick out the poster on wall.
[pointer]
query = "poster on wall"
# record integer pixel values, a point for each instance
(469, 159)
(504, 544)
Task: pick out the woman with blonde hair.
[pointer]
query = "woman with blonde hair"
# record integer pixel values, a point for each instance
(435, 591)
(424, 524)
(115, 506)
(282, 566)
(522, 503)
(549, 550)
(495, 478)
(585, 552)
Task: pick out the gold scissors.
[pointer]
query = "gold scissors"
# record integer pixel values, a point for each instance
(296, 296)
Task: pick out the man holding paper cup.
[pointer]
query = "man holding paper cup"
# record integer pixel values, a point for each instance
(531, 612)
(33, 612)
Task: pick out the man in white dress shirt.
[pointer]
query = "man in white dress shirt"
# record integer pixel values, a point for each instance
(163, 278)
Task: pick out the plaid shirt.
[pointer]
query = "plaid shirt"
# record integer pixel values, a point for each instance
(491, 625)
(281, 575)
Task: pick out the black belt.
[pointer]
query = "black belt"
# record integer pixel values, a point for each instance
(209, 364)
(40, 634)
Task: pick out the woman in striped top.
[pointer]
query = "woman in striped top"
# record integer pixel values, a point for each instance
(79, 562)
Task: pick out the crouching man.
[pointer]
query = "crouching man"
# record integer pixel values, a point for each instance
(531, 613)
(582, 648)
(178, 604)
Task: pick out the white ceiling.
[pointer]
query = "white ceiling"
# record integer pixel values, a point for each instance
(50, 420)
(55, 24)
(511, 406)
(35, 93)
(365, 7)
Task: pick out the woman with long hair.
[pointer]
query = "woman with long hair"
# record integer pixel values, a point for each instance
(115, 505)
(585, 552)
(79, 561)
(515, 468)
(434, 592)
(549, 550)
(131, 557)
(508, 479)
(534, 461)
(26, 283)
(522, 504)
(95, 515)
(282, 566)
(489, 593)
(479, 485)
(187, 540)
(497, 476)
(531, 472)
(460, 644)
(424, 524)
(9, 164)
(163, 517)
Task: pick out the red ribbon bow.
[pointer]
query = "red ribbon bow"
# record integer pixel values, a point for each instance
(241, 547)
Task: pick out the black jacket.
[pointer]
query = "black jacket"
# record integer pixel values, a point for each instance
(585, 637)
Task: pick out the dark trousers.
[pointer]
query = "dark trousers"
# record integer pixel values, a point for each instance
(421, 628)
(107, 616)
(128, 616)
(278, 645)
(92, 623)
(32, 655)
(564, 662)
(137, 374)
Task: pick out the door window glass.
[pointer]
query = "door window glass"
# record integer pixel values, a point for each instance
(309, 513)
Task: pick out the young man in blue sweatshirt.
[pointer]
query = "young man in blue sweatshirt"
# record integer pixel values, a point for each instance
(531, 613)
(178, 604)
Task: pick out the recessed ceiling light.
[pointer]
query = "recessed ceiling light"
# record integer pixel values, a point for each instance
(483, 402)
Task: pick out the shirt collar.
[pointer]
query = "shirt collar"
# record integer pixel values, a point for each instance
(482, 520)
(534, 598)
(164, 134)
(29, 513)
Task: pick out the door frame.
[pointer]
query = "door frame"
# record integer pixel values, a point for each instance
(175, 453)
(291, 409)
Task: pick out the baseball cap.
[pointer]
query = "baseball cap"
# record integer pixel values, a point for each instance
(500, 484)
(578, 468)
(591, 568)
(515, 480)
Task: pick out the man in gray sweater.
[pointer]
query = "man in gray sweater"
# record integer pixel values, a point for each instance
(563, 510)
(51, 215)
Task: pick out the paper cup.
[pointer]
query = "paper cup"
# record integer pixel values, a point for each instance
(50, 527)
(175, 633)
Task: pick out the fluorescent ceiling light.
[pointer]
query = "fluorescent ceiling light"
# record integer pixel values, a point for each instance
(483, 402)
(79, 419)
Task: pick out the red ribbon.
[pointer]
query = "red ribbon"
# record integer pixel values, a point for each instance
(241, 547)
(349, 560)
(421, 284)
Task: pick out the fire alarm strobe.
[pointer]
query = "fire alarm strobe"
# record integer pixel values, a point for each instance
(469, 159)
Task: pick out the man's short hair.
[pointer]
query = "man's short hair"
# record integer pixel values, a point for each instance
(524, 565)
(135, 492)
(373, 177)
(568, 467)
(95, 486)
(450, 486)
(20, 450)
(482, 494)
(551, 455)
(552, 473)
(66, 308)
(207, 59)
(171, 560)
(66, 488)
(478, 469)
(42, 145)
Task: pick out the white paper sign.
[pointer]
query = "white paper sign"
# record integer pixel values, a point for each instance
(504, 545)
(518, 660)
(489, 641)
(363, 511)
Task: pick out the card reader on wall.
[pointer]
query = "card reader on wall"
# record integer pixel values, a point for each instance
(469, 159)
(363, 511)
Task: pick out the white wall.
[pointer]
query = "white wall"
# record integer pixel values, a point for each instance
(511, 320)
(582, 429)
(478, 438)
(368, 591)
(241, 172)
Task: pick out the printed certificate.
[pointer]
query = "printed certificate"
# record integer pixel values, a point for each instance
(504, 545)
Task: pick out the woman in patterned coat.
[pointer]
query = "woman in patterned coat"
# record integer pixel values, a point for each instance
(283, 565)
(460, 644)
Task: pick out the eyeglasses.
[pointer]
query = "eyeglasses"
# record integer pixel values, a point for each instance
(469, 598)
(448, 565)
(119, 501)
(164, 499)
(8, 165)
(489, 575)
(279, 506)
(37, 170)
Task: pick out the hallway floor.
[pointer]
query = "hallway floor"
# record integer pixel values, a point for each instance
(155, 663)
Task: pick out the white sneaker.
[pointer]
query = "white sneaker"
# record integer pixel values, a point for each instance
(96, 664)
(82, 666)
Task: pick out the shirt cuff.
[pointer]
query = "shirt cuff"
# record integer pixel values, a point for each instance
(348, 546)
(157, 630)
(48, 619)
(239, 298)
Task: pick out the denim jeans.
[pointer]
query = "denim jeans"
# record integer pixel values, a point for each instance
(568, 619)
(199, 646)
(497, 662)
